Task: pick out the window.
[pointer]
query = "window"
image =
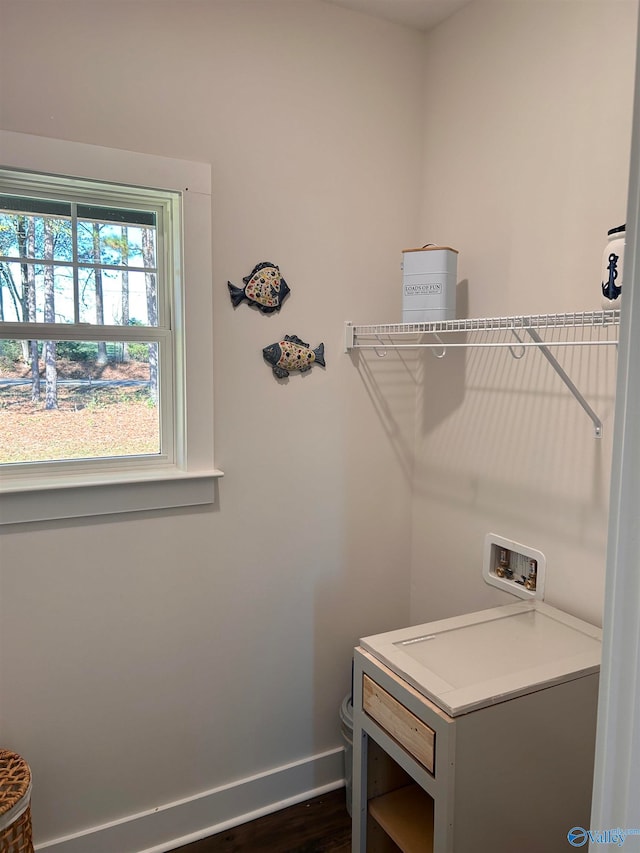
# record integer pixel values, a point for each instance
(95, 326)
(87, 293)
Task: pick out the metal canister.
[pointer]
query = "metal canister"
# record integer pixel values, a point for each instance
(612, 267)
(429, 277)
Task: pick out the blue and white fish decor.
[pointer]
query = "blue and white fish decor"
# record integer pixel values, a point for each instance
(291, 353)
(264, 287)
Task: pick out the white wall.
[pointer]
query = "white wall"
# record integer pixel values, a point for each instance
(153, 657)
(528, 122)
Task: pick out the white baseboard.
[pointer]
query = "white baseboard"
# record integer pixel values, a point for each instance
(191, 819)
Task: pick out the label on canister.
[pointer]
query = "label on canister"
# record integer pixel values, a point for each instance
(429, 277)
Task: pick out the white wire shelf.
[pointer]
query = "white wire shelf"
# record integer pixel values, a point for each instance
(417, 335)
(411, 335)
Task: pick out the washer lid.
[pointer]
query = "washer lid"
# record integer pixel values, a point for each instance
(471, 661)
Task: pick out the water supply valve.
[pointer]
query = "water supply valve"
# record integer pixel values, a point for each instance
(513, 567)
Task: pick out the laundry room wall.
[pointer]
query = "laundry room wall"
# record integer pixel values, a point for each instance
(153, 664)
(527, 135)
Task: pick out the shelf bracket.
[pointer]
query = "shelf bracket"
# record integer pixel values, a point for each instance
(597, 423)
(348, 336)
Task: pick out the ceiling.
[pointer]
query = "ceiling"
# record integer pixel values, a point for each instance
(419, 14)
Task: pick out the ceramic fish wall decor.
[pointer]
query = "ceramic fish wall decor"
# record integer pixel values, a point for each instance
(291, 353)
(264, 287)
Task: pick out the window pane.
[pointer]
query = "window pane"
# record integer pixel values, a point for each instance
(148, 247)
(35, 293)
(8, 235)
(83, 400)
(131, 238)
(117, 297)
(119, 245)
(91, 243)
(38, 237)
(125, 241)
(11, 292)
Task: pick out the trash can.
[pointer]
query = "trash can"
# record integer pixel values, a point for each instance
(15, 804)
(346, 721)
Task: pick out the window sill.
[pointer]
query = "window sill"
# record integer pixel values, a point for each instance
(55, 498)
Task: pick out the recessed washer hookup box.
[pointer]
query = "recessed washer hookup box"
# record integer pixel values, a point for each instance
(429, 277)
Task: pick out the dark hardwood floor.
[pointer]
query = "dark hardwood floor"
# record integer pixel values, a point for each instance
(320, 825)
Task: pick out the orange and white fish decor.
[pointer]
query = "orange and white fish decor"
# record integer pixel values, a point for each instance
(291, 353)
(263, 288)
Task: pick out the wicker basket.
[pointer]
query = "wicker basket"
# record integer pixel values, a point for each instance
(15, 804)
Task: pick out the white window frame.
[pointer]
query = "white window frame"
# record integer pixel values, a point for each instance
(186, 475)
